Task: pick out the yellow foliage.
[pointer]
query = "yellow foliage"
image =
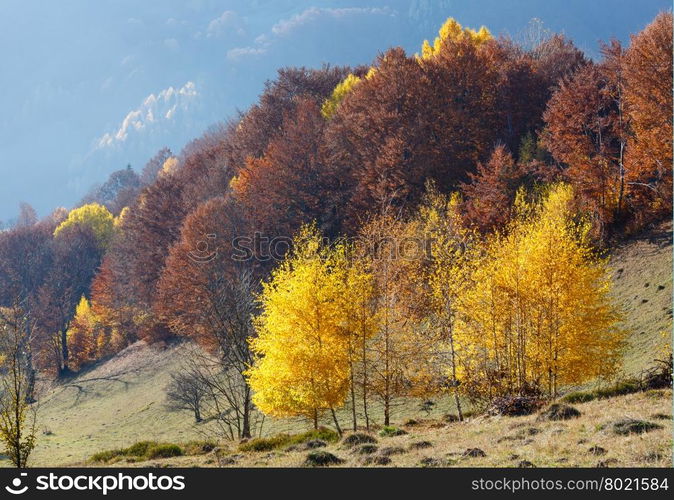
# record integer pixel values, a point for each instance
(102, 346)
(302, 365)
(331, 104)
(362, 319)
(357, 302)
(108, 342)
(169, 166)
(341, 90)
(451, 31)
(92, 334)
(527, 309)
(235, 183)
(81, 335)
(447, 275)
(94, 216)
(539, 313)
(399, 361)
(120, 218)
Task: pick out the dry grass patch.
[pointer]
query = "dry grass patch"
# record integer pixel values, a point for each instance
(585, 441)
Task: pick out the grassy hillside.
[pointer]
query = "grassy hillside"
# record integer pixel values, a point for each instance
(642, 277)
(590, 440)
(120, 401)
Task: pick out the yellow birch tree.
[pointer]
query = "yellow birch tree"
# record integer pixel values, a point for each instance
(539, 313)
(302, 364)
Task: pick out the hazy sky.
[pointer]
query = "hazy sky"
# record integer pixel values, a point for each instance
(87, 87)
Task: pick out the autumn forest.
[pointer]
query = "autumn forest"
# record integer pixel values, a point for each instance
(436, 223)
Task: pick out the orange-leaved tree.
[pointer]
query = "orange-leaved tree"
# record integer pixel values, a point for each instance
(648, 92)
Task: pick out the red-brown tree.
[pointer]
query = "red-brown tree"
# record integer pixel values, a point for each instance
(262, 122)
(648, 92)
(207, 294)
(584, 132)
(490, 194)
